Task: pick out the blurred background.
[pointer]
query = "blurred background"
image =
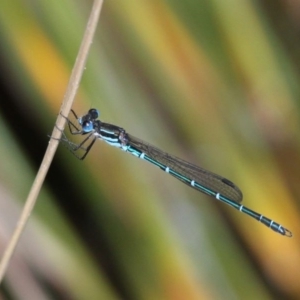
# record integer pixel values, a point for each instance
(213, 82)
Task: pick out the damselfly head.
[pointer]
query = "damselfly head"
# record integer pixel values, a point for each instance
(94, 113)
(87, 126)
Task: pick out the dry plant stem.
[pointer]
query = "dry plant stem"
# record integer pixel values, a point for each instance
(56, 134)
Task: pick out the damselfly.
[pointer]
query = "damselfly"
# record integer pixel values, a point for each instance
(198, 178)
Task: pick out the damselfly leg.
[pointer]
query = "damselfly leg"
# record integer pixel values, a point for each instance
(84, 145)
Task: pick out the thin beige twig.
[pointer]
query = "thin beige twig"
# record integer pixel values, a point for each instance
(56, 134)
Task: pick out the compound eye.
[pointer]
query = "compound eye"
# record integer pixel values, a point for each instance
(94, 113)
(87, 126)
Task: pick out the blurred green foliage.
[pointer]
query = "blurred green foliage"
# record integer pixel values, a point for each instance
(214, 82)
